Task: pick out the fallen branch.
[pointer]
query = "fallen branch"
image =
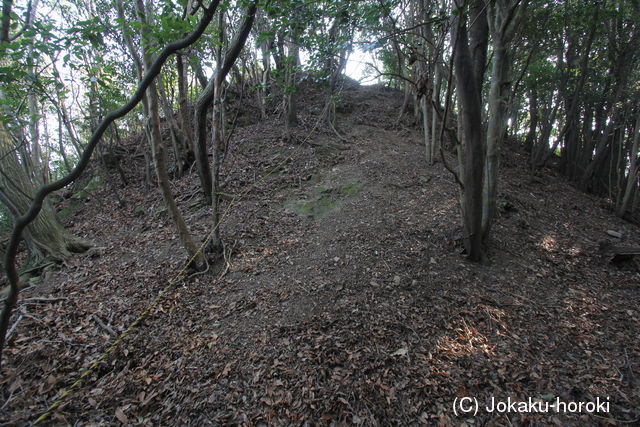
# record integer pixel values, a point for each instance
(104, 326)
(618, 253)
(14, 326)
(44, 299)
(334, 145)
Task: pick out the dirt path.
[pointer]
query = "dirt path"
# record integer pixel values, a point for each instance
(347, 298)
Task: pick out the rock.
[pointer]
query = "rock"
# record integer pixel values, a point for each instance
(396, 280)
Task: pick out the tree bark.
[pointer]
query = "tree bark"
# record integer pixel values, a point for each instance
(504, 18)
(473, 141)
(180, 146)
(183, 96)
(627, 57)
(533, 121)
(45, 238)
(207, 96)
(632, 178)
(291, 98)
(159, 152)
(437, 89)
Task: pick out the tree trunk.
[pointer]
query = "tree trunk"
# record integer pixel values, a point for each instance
(160, 161)
(601, 149)
(215, 244)
(498, 94)
(159, 153)
(177, 140)
(291, 99)
(473, 142)
(435, 131)
(632, 178)
(45, 237)
(426, 109)
(541, 152)
(504, 18)
(622, 69)
(263, 73)
(183, 96)
(533, 121)
(207, 96)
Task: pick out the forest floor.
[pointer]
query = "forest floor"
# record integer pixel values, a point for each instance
(346, 297)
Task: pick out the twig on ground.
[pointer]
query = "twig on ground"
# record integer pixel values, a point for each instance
(627, 366)
(43, 299)
(14, 326)
(104, 326)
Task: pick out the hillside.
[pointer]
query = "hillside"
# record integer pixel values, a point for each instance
(344, 298)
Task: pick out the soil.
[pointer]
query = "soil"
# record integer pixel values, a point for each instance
(345, 296)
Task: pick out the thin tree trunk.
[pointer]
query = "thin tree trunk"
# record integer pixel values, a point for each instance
(425, 108)
(207, 96)
(63, 153)
(632, 178)
(627, 56)
(542, 152)
(179, 145)
(504, 18)
(495, 130)
(533, 122)
(215, 245)
(435, 132)
(159, 153)
(183, 96)
(291, 98)
(264, 81)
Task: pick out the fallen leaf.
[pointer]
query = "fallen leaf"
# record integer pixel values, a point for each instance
(400, 352)
(121, 416)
